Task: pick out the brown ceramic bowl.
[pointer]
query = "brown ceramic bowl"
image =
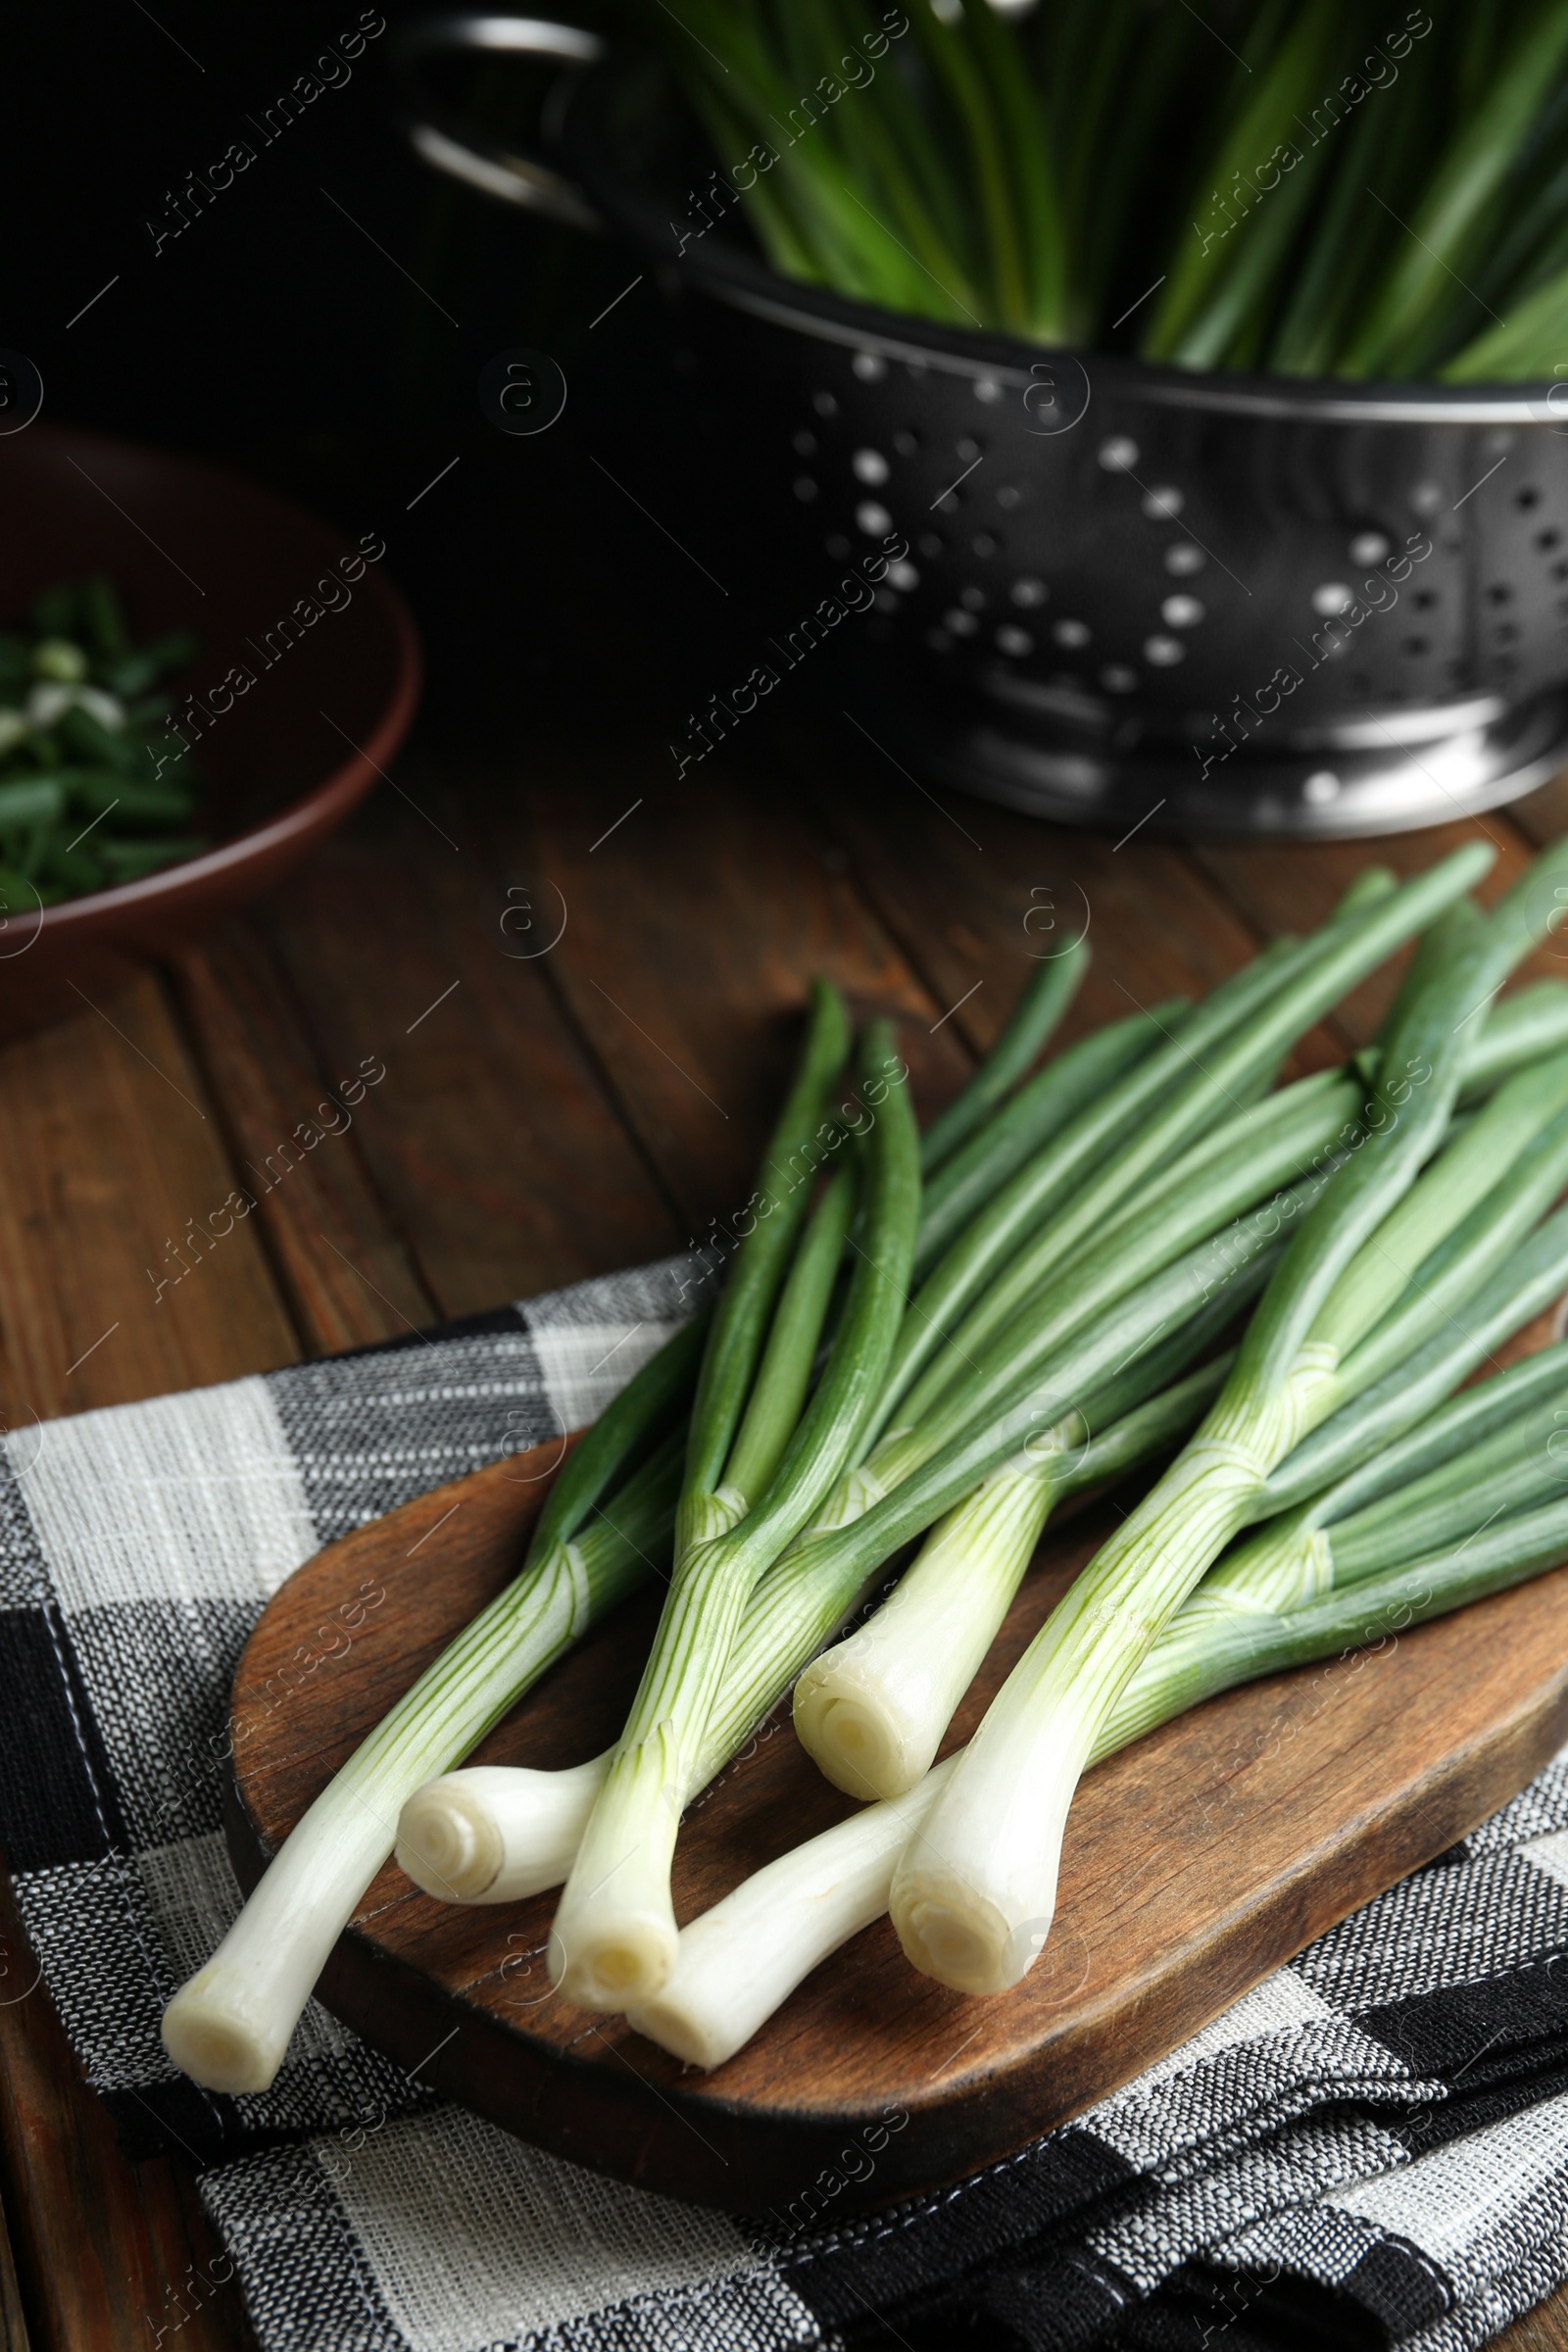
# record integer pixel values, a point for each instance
(328, 701)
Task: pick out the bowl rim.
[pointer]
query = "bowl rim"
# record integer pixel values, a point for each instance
(743, 281)
(316, 810)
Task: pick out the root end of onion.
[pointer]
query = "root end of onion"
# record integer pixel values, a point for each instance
(448, 1845)
(961, 1940)
(615, 1970)
(209, 2040)
(676, 2029)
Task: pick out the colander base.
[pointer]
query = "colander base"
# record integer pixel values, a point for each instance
(1031, 763)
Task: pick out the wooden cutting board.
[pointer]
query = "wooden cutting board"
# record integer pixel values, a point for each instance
(1194, 1863)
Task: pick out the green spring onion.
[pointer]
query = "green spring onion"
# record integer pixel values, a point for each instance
(614, 1930)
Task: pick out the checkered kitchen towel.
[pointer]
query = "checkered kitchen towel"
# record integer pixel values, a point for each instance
(1386, 2118)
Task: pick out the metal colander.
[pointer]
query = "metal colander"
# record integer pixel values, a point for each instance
(1206, 601)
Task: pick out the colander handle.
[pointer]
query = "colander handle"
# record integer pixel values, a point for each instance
(448, 144)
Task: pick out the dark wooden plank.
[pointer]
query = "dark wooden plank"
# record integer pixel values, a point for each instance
(1542, 816)
(348, 1273)
(976, 893)
(14, 2332)
(490, 1141)
(1543, 2330)
(112, 1166)
(110, 2252)
(694, 928)
(1194, 1863)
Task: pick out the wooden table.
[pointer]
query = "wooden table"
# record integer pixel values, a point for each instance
(543, 1117)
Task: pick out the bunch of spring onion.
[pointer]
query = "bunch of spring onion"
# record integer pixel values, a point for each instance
(1295, 189)
(496, 1833)
(515, 1830)
(1080, 1325)
(1492, 1457)
(799, 1483)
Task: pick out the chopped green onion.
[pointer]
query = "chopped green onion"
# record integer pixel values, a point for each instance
(74, 753)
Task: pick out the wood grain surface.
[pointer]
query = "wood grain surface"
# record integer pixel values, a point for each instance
(1194, 1863)
(505, 1151)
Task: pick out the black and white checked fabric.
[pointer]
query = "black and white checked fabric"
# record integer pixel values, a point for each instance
(1383, 2121)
